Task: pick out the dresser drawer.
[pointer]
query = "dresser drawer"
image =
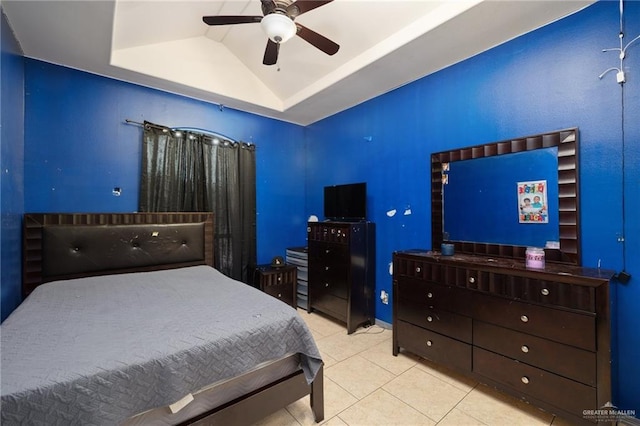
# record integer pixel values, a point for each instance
(416, 268)
(432, 295)
(329, 252)
(537, 383)
(559, 294)
(332, 270)
(330, 304)
(334, 285)
(448, 323)
(558, 325)
(284, 292)
(567, 361)
(434, 346)
(275, 277)
(329, 233)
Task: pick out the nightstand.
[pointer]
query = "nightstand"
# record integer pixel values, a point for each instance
(280, 282)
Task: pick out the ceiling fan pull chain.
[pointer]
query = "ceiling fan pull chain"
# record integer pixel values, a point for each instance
(278, 60)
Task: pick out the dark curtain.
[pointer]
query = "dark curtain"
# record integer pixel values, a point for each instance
(189, 171)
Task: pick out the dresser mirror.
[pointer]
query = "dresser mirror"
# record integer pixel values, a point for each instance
(499, 198)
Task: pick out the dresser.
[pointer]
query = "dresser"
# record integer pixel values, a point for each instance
(542, 336)
(280, 282)
(341, 257)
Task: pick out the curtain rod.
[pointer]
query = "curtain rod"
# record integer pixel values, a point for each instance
(208, 132)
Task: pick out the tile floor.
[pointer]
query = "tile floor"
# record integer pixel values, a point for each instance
(364, 384)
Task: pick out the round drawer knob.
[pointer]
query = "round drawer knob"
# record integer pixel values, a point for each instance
(326, 268)
(472, 280)
(544, 291)
(418, 269)
(327, 251)
(525, 380)
(429, 318)
(430, 295)
(429, 343)
(280, 295)
(326, 284)
(279, 279)
(524, 348)
(524, 318)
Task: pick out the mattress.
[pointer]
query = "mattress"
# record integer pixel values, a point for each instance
(99, 350)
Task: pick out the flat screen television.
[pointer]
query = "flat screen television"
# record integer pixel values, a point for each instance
(346, 202)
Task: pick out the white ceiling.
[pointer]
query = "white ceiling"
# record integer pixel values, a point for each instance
(164, 44)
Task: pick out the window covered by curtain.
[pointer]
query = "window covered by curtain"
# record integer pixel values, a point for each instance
(189, 171)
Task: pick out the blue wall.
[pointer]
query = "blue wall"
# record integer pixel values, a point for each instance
(11, 167)
(543, 81)
(77, 148)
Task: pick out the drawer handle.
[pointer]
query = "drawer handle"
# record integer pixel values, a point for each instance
(326, 268)
(525, 380)
(430, 295)
(327, 251)
(326, 284)
(524, 318)
(525, 348)
(472, 280)
(279, 279)
(429, 318)
(280, 295)
(418, 269)
(429, 343)
(544, 291)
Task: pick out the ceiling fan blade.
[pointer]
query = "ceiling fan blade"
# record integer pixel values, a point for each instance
(301, 6)
(271, 53)
(229, 20)
(317, 40)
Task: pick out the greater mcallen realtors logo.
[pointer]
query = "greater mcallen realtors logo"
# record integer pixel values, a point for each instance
(608, 413)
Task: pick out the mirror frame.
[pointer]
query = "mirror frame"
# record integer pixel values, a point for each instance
(568, 195)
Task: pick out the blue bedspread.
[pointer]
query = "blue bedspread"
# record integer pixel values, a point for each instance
(98, 350)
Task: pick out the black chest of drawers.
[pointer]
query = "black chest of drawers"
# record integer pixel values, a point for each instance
(342, 271)
(540, 335)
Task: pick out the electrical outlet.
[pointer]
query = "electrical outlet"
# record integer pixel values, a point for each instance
(384, 296)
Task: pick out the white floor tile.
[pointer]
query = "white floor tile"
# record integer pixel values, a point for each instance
(365, 385)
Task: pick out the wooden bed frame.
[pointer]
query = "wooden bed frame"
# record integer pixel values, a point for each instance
(74, 245)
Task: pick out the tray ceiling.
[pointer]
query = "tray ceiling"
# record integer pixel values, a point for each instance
(165, 45)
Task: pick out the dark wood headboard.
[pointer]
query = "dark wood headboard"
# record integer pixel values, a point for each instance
(74, 245)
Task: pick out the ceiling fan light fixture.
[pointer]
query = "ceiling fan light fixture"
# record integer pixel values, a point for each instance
(278, 27)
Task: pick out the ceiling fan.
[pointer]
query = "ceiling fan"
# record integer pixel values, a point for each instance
(278, 23)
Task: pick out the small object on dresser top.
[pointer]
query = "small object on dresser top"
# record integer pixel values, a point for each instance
(277, 262)
(534, 258)
(447, 249)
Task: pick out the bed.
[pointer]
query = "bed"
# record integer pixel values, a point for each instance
(126, 321)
